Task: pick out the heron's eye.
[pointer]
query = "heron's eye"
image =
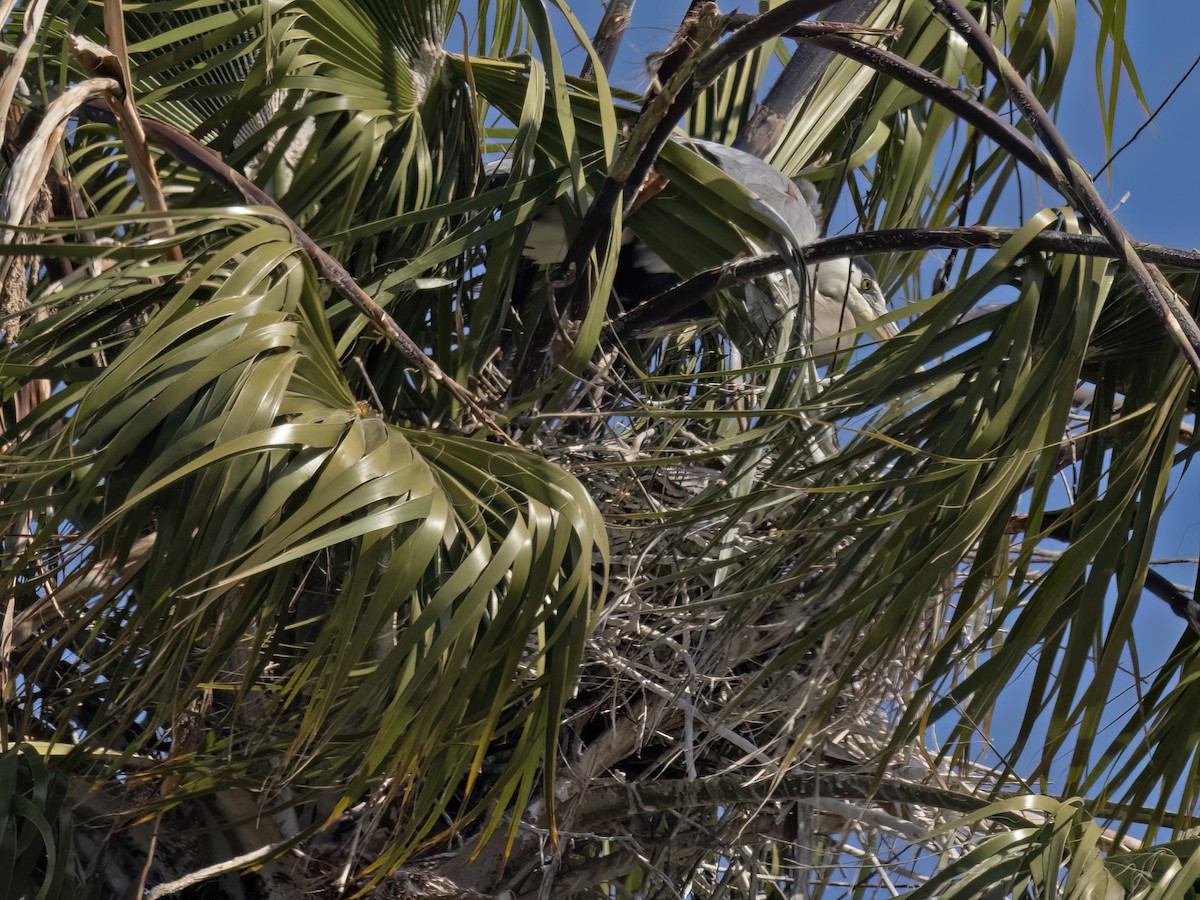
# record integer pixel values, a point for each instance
(865, 284)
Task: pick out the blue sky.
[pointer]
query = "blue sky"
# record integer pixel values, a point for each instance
(1158, 170)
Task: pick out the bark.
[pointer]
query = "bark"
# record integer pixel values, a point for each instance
(795, 83)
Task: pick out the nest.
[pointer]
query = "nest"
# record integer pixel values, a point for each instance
(687, 676)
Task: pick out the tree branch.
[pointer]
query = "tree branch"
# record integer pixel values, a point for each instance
(169, 888)
(612, 802)
(759, 30)
(687, 295)
(609, 33)
(962, 104)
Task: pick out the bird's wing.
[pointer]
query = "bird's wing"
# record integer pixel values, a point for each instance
(777, 197)
(787, 205)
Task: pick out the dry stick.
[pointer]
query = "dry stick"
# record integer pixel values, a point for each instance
(191, 879)
(34, 11)
(186, 149)
(687, 294)
(1159, 294)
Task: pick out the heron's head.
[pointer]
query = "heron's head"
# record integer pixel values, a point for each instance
(847, 296)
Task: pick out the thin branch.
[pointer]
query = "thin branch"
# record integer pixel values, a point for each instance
(170, 888)
(612, 802)
(984, 236)
(686, 295)
(1125, 146)
(809, 31)
(962, 104)
(808, 63)
(762, 28)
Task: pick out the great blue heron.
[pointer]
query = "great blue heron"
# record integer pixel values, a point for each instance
(831, 297)
(835, 296)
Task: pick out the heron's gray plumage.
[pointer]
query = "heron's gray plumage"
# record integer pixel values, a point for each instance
(793, 209)
(829, 298)
(832, 297)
